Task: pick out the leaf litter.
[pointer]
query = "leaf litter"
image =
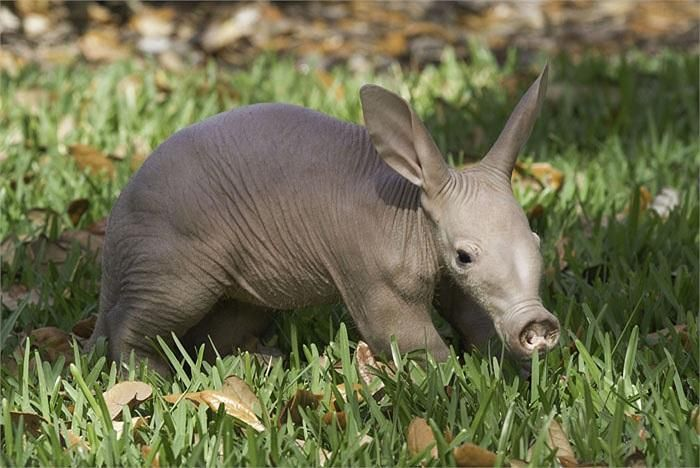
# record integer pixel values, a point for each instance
(238, 399)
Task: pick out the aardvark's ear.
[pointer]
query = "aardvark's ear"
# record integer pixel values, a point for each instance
(504, 152)
(402, 140)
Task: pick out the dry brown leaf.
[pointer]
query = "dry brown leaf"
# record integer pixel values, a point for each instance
(98, 13)
(171, 61)
(330, 84)
(241, 24)
(87, 241)
(162, 82)
(65, 127)
(84, 328)
(240, 390)
(635, 460)
(25, 7)
(657, 337)
(88, 157)
(357, 390)
(35, 24)
(129, 393)
(301, 399)
(102, 45)
(323, 454)
(50, 251)
(537, 176)
(38, 216)
(516, 463)
(419, 437)
(146, 452)
(32, 100)
(393, 44)
(561, 246)
(153, 21)
(238, 401)
(98, 228)
(136, 423)
(365, 362)
(666, 201)
(469, 454)
(76, 209)
(32, 421)
(52, 342)
(11, 63)
(233, 407)
(339, 416)
(18, 293)
(559, 441)
(75, 441)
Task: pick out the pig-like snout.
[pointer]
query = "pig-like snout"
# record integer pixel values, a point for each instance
(531, 329)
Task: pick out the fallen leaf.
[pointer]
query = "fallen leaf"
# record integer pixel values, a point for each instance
(87, 241)
(52, 342)
(162, 82)
(146, 452)
(365, 362)
(636, 460)
(645, 199)
(11, 63)
(25, 7)
(561, 247)
(357, 390)
(17, 294)
(559, 441)
(99, 227)
(517, 463)
(74, 441)
(238, 400)
(8, 21)
(323, 454)
(393, 44)
(240, 24)
(339, 416)
(35, 24)
(419, 437)
(153, 21)
(469, 454)
(40, 217)
(241, 391)
(136, 422)
(32, 422)
(88, 157)
(665, 202)
(330, 84)
(657, 337)
(98, 13)
(65, 127)
(84, 328)
(537, 176)
(301, 399)
(32, 100)
(102, 45)
(76, 209)
(129, 393)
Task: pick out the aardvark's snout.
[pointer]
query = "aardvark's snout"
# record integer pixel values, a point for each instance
(531, 329)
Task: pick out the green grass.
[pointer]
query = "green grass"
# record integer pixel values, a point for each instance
(611, 125)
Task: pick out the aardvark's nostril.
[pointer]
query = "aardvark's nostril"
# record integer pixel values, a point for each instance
(539, 335)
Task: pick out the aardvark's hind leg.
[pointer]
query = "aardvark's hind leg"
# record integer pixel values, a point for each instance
(231, 326)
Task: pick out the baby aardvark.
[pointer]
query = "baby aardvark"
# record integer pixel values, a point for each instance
(271, 207)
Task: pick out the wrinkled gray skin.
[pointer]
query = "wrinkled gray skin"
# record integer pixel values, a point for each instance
(272, 207)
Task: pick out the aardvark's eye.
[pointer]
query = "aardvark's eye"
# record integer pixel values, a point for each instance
(463, 257)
